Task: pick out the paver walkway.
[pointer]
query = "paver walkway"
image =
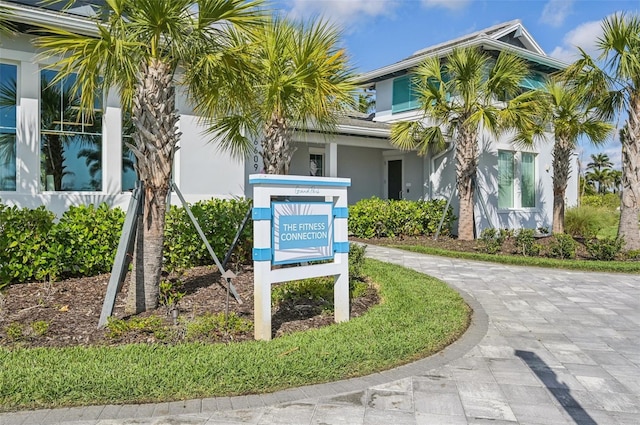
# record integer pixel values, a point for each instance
(547, 347)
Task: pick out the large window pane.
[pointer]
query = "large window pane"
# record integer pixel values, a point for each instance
(129, 174)
(528, 180)
(71, 141)
(505, 179)
(8, 101)
(404, 94)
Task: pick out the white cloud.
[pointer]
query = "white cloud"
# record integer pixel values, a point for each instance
(555, 12)
(446, 4)
(342, 12)
(585, 36)
(614, 151)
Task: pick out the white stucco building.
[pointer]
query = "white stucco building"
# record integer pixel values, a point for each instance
(94, 168)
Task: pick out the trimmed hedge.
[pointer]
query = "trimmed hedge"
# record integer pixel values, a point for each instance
(375, 218)
(219, 220)
(85, 239)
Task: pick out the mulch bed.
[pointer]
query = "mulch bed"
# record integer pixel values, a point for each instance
(71, 309)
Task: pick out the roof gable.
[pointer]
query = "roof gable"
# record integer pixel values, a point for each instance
(510, 35)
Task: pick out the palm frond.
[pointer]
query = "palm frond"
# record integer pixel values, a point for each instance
(410, 135)
(231, 133)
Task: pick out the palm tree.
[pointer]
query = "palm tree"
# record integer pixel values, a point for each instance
(302, 80)
(458, 98)
(599, 161)
(138, 51)
(572, 117)
(601, 177)
(616, 180)
(365, 102)
(617, 86)
(600, 173)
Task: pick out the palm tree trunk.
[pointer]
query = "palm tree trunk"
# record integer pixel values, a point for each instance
(629, 228)
(561, 158)
(155, 138)
(466, 167)
(276, 147)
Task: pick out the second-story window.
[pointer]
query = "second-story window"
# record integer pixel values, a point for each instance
(404, 94)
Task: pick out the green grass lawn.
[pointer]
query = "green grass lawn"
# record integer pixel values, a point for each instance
(585, 265)
(418, 316)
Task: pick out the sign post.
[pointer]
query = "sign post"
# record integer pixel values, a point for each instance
(310, 227)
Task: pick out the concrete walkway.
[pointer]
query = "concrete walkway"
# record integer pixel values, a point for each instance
(547, 347)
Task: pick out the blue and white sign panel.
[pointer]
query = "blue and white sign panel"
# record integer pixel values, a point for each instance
(302, 231)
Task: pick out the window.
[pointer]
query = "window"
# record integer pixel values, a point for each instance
(8, 102)
(516, 174)
(70, 141)
(316, 165)
(534, 81)
(505, 179)
(129, 174)
(528, 180)
(404, 94)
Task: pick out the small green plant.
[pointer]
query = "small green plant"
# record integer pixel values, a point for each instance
(117, 328)
(40, 327)
(356, 261)
(605, 249)
(633, 254)
(14, 331)
(506, 233)
(170, 293)
(491, 240)
(210, 326)
(318, 290)
(525, 241)
(563, 246)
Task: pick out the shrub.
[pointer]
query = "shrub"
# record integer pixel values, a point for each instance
(610, 201)
(368, 218)
(24, 237)
(375, 218)
(604, 249)
(85, 240)
(585, 221)
(491, 240)
(219, 220)
(563, 246)
(525, 242)
(356, 261)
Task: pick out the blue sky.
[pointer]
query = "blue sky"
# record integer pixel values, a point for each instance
(380, 32)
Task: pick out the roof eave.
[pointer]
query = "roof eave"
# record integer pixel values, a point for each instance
(381, 73)
(47, 18)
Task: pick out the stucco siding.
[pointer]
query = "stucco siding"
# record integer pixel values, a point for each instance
(204, 170)
(363, 166)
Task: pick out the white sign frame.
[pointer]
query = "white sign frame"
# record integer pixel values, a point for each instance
(331, 195)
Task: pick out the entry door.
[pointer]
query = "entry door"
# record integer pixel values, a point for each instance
(394, 174)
